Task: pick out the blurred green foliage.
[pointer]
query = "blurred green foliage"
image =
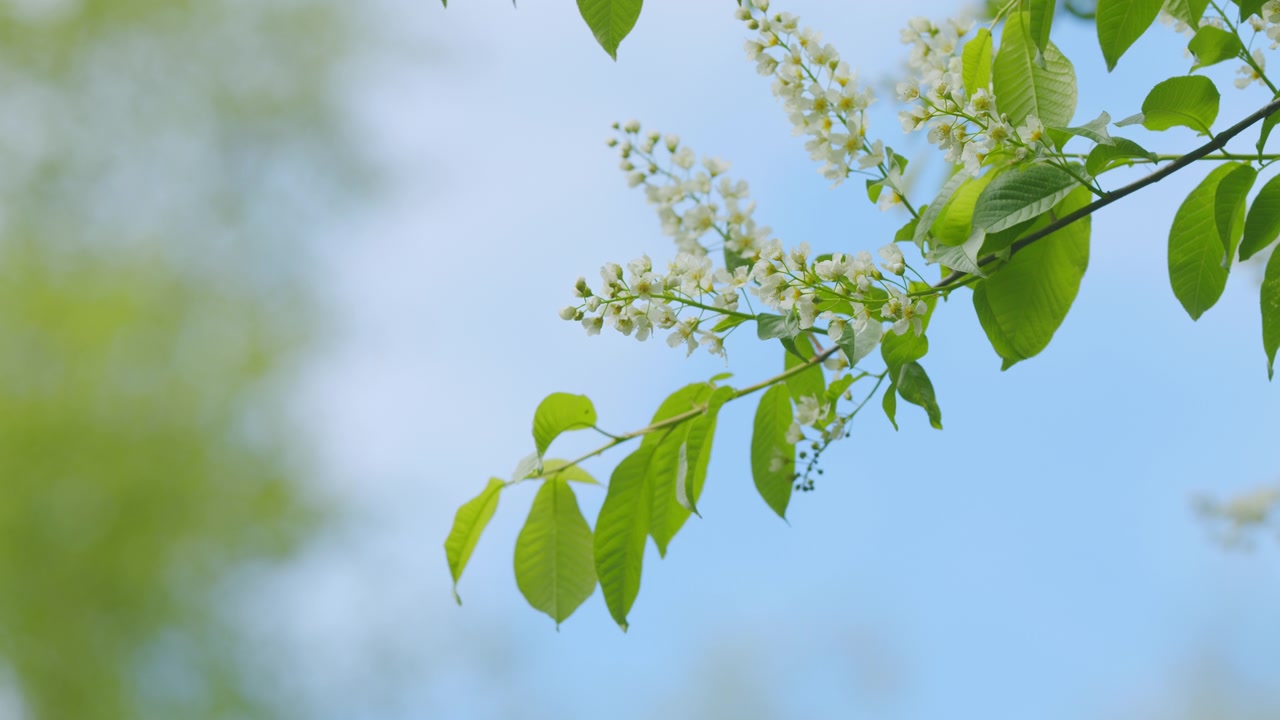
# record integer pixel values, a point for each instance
(162, 163)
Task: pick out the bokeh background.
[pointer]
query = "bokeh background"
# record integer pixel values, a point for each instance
(278, 285)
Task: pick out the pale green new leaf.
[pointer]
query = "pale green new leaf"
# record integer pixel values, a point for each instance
(914, 386)
(1262, 226)
(1271, 312)
(1121, 23)
(1188, 100)
(468, 524)
(621, 532)
(555, 565)
(610, 21)
(1024, 86)
(1228, 208)
(976, 62)
(1020, 194)
(1212, 45)
(1197, 272)
(773, 459)
(1021, 305)
(558, 413)
(1122, 151)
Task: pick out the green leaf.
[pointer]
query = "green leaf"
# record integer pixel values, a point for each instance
(773, 459)
(1022, 304)
(933, 210)
(561, 412)
(1263, 224)
(1188, 11)
(1187, 100)
(954, 225)
(1122, 151)
(806, 382)
(898, 350)
(857, 345)
(914, 386)
(698, 451)
(1197, 272)
(1228, 208)
(1268, 123)
(1040, 13)
(1249, 7)
(678, 458)
(976, 68)
(1212, 45)
(562, 470)
(555, 566)
(1121, 23)
(1271, 312)
(1027, 87)
(1020, 194)
(1095, 130)
(729, 322)
(610, 21)
(890, 404)
(908, 231)
(776, 326)
(621, 531)
(963, 257)
(468, 524)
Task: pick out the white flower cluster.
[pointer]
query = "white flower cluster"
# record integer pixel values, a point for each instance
(788, 282)
(692, 200)
(967, 127)
(644, 301)
(1238, 518)
(819, 91)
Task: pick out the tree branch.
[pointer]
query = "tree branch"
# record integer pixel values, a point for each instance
(1217, 143)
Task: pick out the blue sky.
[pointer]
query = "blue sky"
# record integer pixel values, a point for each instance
(1038, 558)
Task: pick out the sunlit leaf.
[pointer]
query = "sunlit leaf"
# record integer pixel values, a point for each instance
(1188, 100)
(1197, 272)
(1262, 226)
(773, 459)
(1121, 23)
(1021, 305)
(555, 566)
(558, 413)
(621, 532)
(1025, 86)
(610, 21)
(468, 524)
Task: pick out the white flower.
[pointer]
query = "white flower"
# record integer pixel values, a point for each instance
(715, 166)
(631, 126)
(568, 312)
(593, 324)
(684, 158)
(893, 260)
(835, 329)
(794, 435)
(1032, 131)
(808, 410)
(1251, 75)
